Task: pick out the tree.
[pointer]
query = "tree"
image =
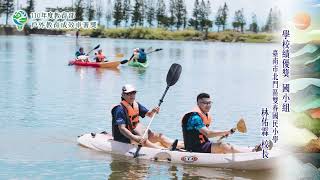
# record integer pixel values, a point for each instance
(179, 12)
(7, 7)
(218, 21)
(161, 13)
(172, 18)
(126, 11)
(30, 7)
(150, 12)
(224, 16)
(109, 13)
(254, 25)
(79, 9)
(194, 22)
(99, 11)
(117, 13)
(239, 20)
(185, 18)
(204, 13)
(90, 10)
(137, 15)
(273, 20)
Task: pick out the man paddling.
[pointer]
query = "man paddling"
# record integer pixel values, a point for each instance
(126, 127)
(81, 55)
(139, 55)
(195, 127)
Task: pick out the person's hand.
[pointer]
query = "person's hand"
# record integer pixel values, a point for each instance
(156, 110)
(141, 140)
(227, 133)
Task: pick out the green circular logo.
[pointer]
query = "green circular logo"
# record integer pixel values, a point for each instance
(20, 18)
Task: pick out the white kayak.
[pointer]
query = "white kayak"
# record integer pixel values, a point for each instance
(243, 161)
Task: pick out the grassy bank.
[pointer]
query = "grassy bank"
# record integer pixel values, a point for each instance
(187, 35)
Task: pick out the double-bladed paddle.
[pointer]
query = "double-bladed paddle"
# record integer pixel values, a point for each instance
(93, 49)
(172, 77)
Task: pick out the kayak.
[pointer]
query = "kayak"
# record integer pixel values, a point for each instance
(138, 64)
(104, 142)
(111, 64)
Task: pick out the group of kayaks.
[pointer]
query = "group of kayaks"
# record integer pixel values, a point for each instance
(109, 64)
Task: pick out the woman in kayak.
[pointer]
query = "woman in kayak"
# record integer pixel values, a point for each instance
(126, 127)
(195, 128)
(100, 56)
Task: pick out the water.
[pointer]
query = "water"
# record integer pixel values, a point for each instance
(45, 104)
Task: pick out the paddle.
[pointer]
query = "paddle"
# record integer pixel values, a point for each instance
(154, 51)
(93, 49)
(118, 55)
(172, 77)
(241, 127)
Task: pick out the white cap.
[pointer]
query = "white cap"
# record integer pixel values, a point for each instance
(128, 88)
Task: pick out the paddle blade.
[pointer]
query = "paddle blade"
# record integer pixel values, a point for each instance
(124, 61)
(96, 47)
(241, 126)
(173, 74)
(149, 49)
(158, 49)
(119, 55)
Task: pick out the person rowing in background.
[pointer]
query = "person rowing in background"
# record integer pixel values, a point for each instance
(99, 56)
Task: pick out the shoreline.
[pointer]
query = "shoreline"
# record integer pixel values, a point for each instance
(227, 36)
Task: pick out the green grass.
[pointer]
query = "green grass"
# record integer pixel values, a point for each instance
(187, 34)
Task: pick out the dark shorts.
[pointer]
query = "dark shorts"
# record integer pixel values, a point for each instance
(206, 147)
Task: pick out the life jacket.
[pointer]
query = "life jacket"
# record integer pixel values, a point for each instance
(132, 119)
(142, 56)
(193, 139)
(100, 57)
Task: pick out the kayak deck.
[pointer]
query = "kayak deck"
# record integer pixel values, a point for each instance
(138, 64)
(243, 161)
(111, 64)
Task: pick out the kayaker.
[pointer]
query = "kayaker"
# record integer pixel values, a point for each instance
(195, 128)
(126, 127)
(99, 56)
(142, 58)
(139, 55)
(81, 55)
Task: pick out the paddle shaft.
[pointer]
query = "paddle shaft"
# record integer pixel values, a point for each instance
(233, 130)
(148, 127)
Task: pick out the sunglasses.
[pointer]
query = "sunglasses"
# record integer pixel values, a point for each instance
(131, 93)
(206, 103)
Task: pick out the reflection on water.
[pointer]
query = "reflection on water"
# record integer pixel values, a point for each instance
(129, 168)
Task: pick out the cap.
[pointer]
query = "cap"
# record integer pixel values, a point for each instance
(128, 88)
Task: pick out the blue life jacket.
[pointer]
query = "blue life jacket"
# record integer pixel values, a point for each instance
(142, 57)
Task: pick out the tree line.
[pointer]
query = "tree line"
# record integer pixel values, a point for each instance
(172, 15)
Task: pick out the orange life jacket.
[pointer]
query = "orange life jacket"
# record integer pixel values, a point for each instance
(193, 138)
(133, 113)
(100, 56)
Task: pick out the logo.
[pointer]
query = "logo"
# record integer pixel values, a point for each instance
(20, 18)
(189, 159)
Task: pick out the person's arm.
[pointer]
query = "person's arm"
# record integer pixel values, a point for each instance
(124, 131)
(209, 133)
(196, 123)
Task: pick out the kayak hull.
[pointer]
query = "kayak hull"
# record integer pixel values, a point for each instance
(242, 161)
(111, 64)
(138, 64)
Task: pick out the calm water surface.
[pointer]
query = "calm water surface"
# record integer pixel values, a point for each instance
(45, 104)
